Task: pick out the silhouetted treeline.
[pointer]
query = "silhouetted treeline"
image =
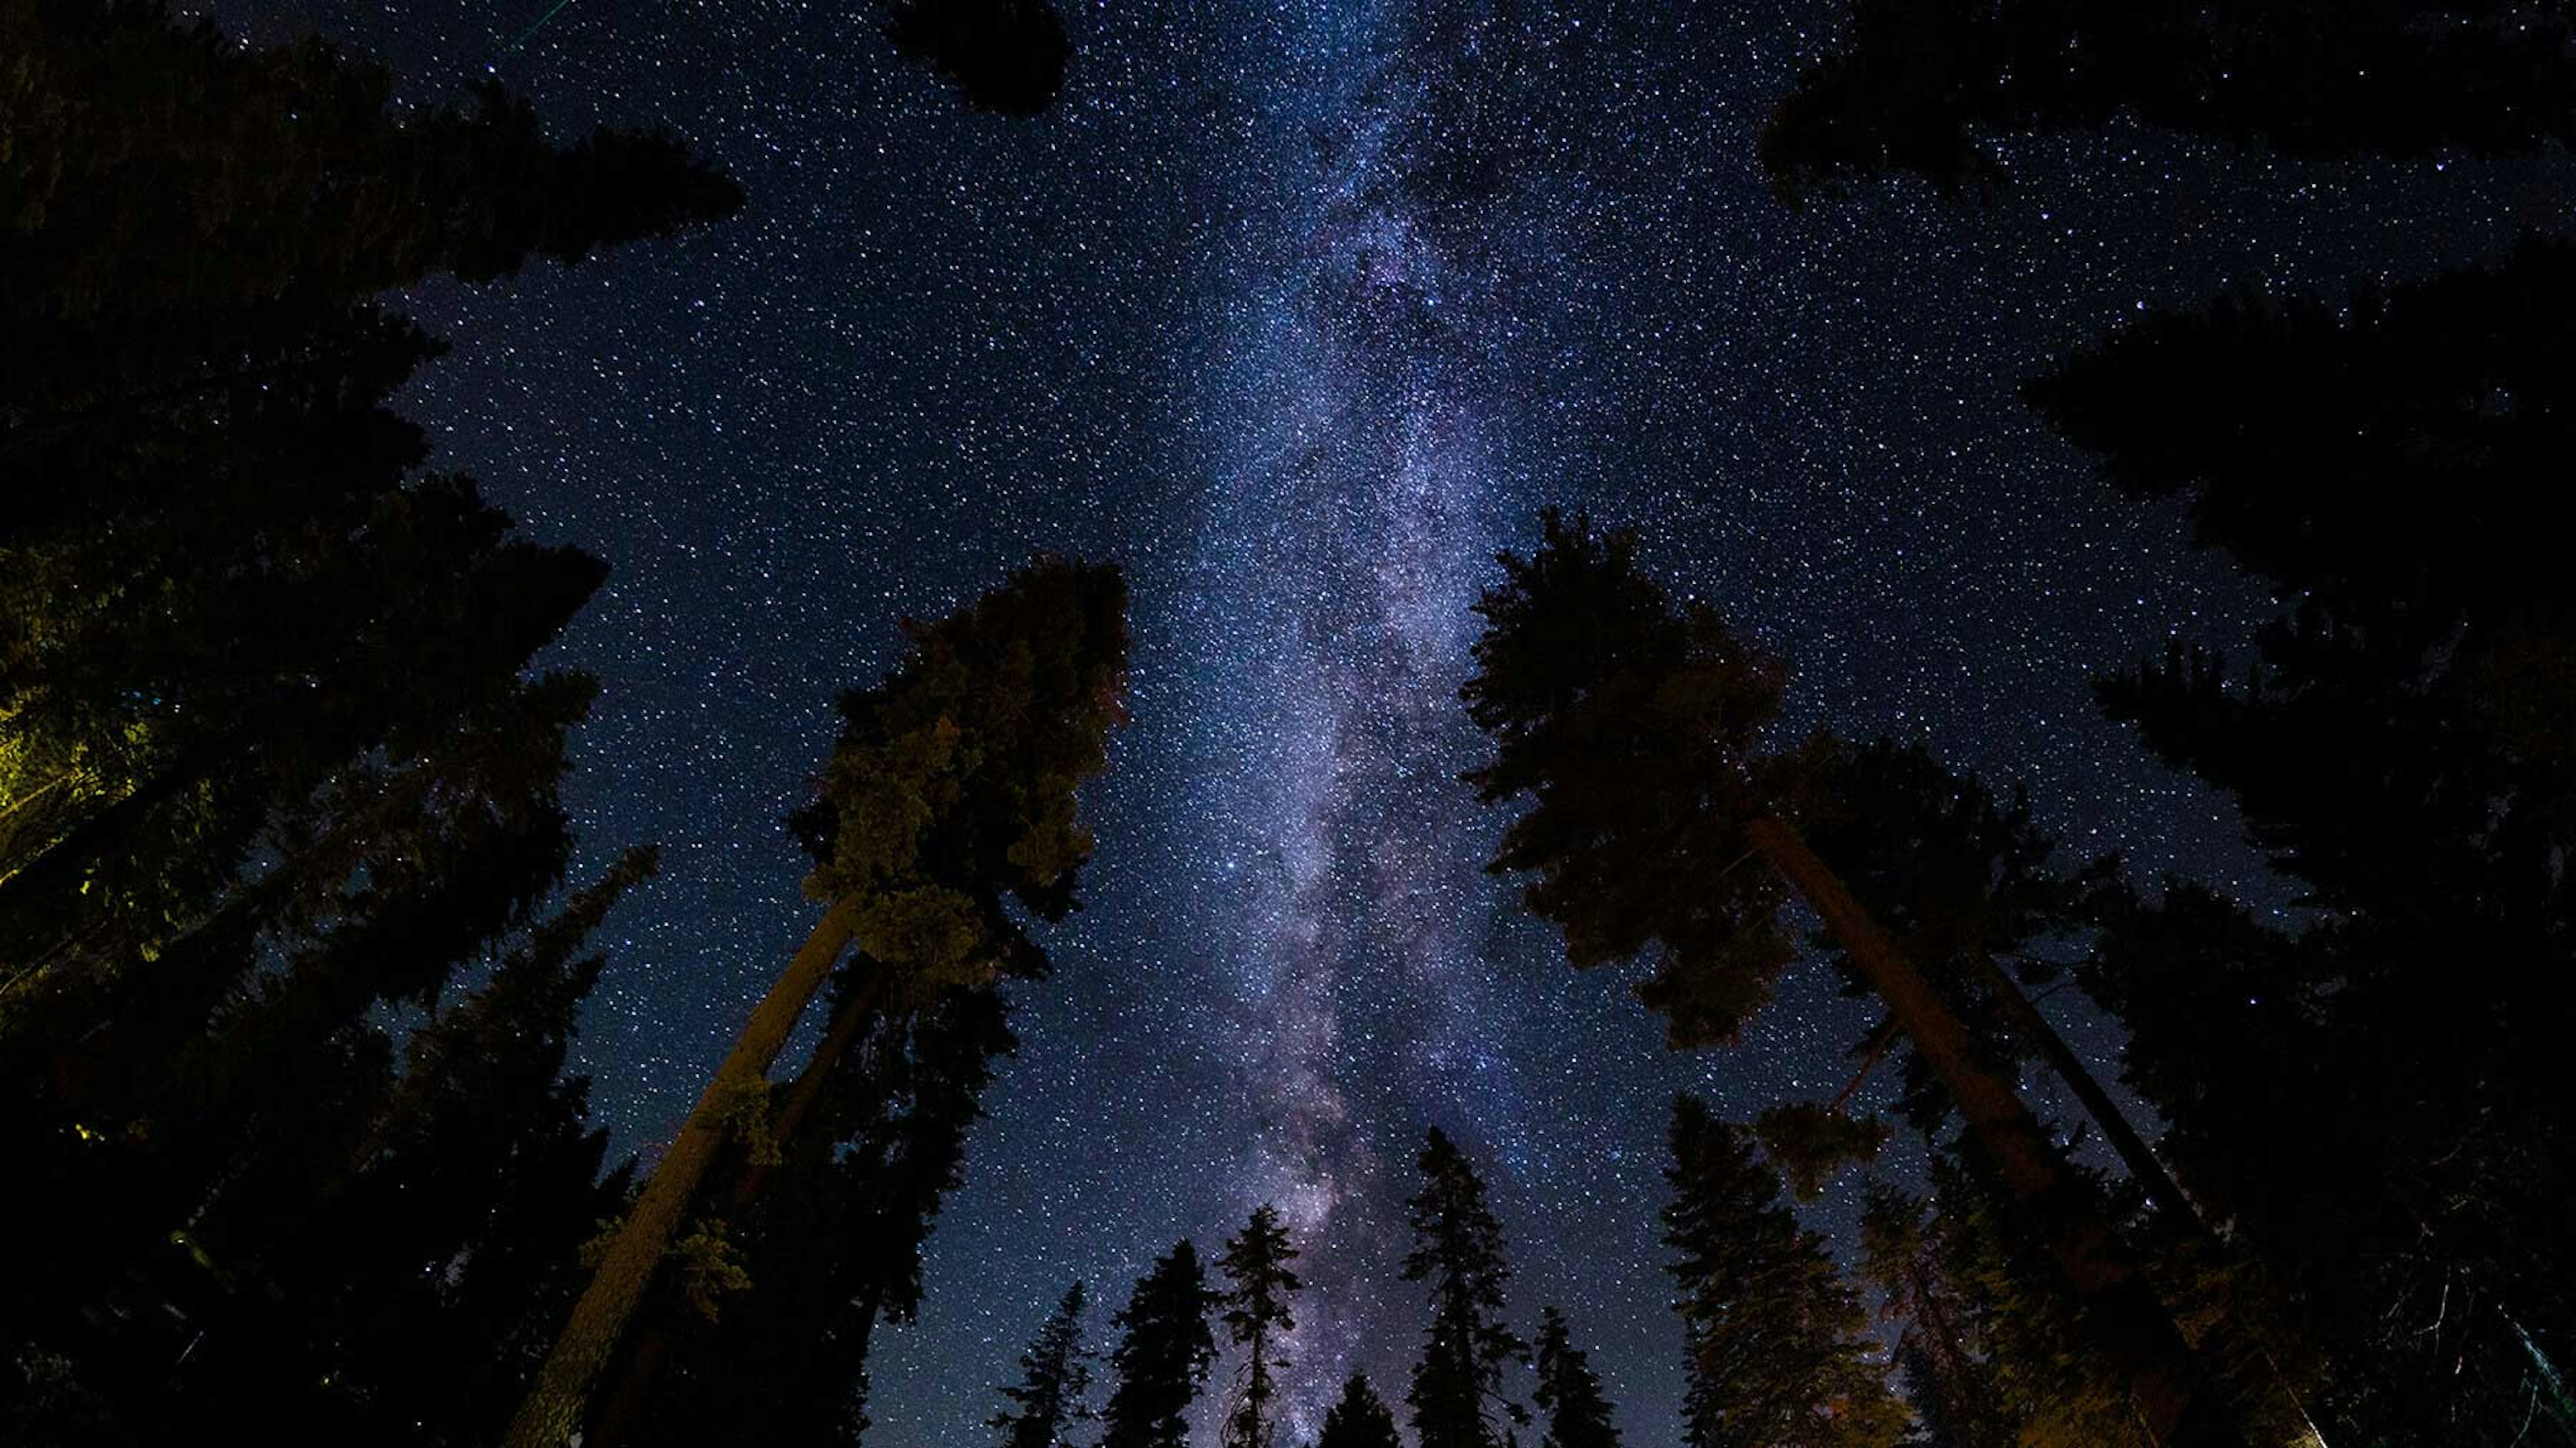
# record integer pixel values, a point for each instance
(946, 820)
(286, 977)
(1939, 88)
(291, 958)
(1166, 1350)
(2370, 1099)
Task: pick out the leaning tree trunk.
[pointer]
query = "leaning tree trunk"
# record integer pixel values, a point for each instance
(2145, 1168)
(2178, 1213)
(556, 1401)
(855, 1015)
(622, 1412)
(2128, 1322)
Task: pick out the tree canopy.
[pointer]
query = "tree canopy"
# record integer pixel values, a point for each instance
(1163, 1355)
(1939, 88)
(1458, 1252)
(1777, 1343)
(1569, 1391)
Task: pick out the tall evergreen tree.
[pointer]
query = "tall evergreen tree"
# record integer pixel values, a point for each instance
(1925, 85)
(194, 436)
(1966, 881)
(440, 1259)
(1636, 726)
(130, 128)
(270, 758)
(1163, 1355)
(1941, 1350)
(2386, 455)
(860, 1148)
(222, 587)
(1569, 1391)
(833, 1247)
(949, 795)
(1458, 1250)
(2397, 746)
(1055, 1377)
(1358, 1419)
(360, 1250)
(1257, 1316)
(1778, 1350)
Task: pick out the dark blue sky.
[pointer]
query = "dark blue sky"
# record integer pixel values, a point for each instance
(1301, 310)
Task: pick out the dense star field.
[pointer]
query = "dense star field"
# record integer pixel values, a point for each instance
(1301, 311)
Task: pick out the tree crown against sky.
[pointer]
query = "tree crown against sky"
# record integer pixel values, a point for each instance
(1927, 88)
(132, 128)
(951, 788)
(1257, 1315)
(1163, 1355)
(1568, 1390)
(1055, 1377)
(1634, 725)
(1458, 1253)
(1005, 56)
(1359, 1418)
(1776, 1341)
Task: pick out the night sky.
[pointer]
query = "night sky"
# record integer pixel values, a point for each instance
(1300, 311)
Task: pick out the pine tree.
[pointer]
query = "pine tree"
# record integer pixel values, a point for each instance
(1569, 1391)
(2397, 745)
(1055, 1376)
(1163, 1355)
(1257, 1317)
(950, 794)
(1924, 87)
(130, 129)
(270, 754)
(1358, 1419)
(421, 612)
(833, 1247)
(1942, 1352)
(1458, 1250)
(2376, 454)
(1778, 1352)
(1636, 726)
(1964, 880)
(453, 1244)
(366, 1252)
(196, 446)
(188, 1081)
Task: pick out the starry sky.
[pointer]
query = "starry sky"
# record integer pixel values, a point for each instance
(1301, 310)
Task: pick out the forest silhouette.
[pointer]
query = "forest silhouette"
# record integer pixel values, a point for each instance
(292, 954)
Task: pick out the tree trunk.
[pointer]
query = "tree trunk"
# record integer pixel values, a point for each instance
(2177, 1212)
(555, 1402)
(2163, 1192)
(854, 1016)
(2129, 1325)
(622, 1412)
